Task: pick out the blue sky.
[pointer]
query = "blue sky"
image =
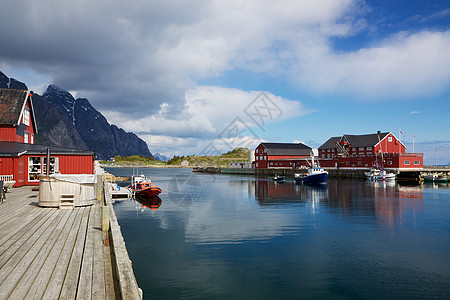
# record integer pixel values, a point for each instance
(181, 75)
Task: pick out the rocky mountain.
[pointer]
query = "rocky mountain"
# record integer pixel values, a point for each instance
(65, 121)
(161, 157)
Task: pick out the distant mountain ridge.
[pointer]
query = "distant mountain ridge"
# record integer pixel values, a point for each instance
(65, 121)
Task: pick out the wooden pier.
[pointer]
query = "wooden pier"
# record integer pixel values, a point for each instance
(51, 253)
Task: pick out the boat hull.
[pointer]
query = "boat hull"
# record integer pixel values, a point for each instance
(152, 191)
(312, 179)
(381, 177)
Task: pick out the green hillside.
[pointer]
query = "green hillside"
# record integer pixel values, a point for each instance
(223, 160)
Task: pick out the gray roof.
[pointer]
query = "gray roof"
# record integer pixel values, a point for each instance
(330, 144)
(363, 140)
(18, 149)
(287, 149)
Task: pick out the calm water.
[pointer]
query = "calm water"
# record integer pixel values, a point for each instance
(237, 237)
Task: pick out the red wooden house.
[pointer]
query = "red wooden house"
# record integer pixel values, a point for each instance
(19, 156)
(281, 155)
(17, 121)
(366, 151)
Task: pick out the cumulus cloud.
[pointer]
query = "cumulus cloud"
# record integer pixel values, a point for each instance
(406, 65)
(212, 114)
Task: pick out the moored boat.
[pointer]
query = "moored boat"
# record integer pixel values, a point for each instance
(278, 178)
(142, 186)
(379, 174)
(429, 177)
(315, 175)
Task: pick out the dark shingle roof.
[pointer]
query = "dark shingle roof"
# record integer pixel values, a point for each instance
(11, 105)
(330, 144)
(17, 149)
(365, 140)
(287, 149)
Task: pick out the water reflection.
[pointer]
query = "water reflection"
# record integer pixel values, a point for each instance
(273, 193)
(152, 203)
(389, 202)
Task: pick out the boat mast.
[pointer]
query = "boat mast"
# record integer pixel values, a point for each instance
(381, 149)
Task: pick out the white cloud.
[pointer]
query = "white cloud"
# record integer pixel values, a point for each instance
(405, 65)
(208, 110)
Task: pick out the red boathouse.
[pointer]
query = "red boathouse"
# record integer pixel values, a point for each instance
(366, 151)
(281, 155)
(19, 156)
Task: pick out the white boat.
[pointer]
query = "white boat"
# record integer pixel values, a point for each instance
(377, 174)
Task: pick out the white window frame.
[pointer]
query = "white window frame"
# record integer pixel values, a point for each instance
(407, 162)
(26, 116)
(417, 162)
(25, 137)
(390, 139)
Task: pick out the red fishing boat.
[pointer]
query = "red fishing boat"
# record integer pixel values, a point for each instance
(142, 186)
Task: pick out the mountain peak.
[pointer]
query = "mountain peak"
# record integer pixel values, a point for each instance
(68, 122)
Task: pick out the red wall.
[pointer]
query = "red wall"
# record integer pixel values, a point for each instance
(8, 134)
(390, 147)
(68, 164)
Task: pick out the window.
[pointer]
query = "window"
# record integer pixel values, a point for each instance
(257, 150)
(347, 162)
(359, 163)
(54, 165)
(34, 168)
(369, 148)
(265, 157)
(257, 164)
(25, 137)
(32, 139)
(390, 139)
(26, 116)
(416, 162)
(389, 162)
(361, 148)
(406, 162)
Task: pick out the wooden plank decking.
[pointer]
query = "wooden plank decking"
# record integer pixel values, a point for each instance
(50, 253)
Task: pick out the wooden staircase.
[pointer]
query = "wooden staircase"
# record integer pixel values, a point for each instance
(66, 201)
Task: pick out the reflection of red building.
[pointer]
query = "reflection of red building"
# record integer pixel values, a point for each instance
(281, 155)
(19, 156)
(365, 151)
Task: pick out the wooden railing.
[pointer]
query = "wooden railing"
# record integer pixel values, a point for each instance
(6, 177)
